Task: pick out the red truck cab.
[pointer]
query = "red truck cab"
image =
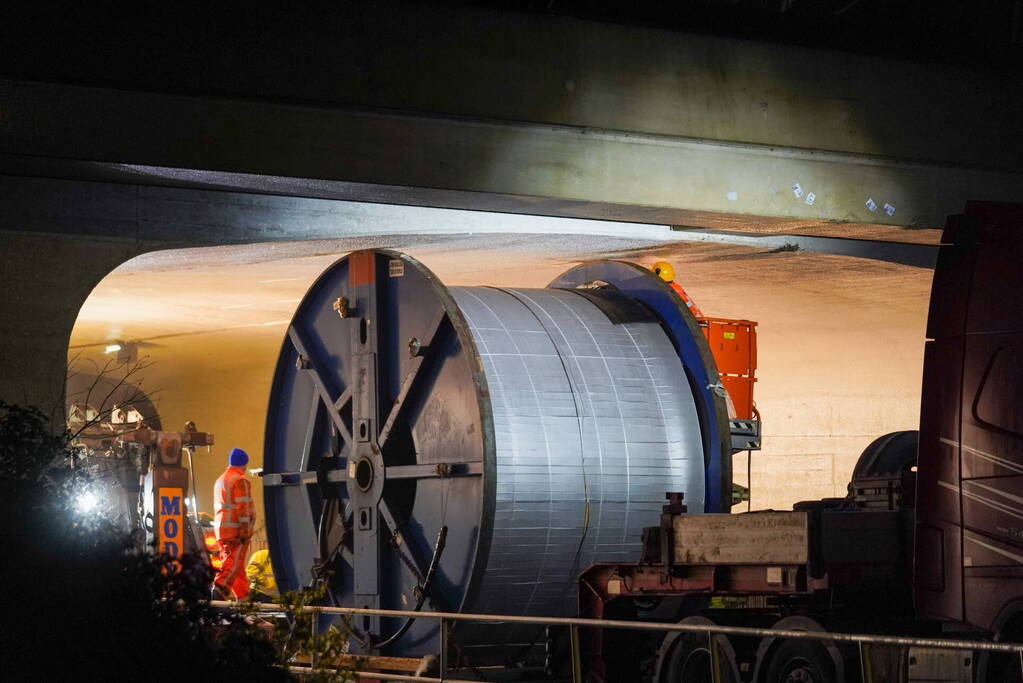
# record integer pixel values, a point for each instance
(968, 568)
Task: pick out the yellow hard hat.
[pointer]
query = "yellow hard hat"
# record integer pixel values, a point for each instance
(664, 270)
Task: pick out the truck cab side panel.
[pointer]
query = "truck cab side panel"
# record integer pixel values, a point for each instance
(969, 541)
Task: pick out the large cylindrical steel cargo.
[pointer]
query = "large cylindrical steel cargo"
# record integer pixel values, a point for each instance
(593, 421)
(508, 438)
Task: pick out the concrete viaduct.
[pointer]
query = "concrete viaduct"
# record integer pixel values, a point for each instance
(115, 143)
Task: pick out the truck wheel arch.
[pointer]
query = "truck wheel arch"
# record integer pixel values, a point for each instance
(1008, 624)
(796, 623)
(1009, 619)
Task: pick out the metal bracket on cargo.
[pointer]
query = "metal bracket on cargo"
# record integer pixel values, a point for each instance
(745, 435)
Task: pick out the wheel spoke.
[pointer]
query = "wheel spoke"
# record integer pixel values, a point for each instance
(289, 478)
(333, 405)
(339, 476)
(366, 556)
(332, 542)
(346, 523)
(399, 543)
(307, 442)
(405, 554)
(344, 398)
(412, 376)
(435, 471)
(392, 527)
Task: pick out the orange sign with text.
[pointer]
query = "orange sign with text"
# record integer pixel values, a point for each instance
(171, 521)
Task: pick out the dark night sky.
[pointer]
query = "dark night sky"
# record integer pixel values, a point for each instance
(978, 33)
(987, 34)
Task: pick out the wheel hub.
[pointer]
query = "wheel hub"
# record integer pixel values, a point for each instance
(364, 474)
(801, 673)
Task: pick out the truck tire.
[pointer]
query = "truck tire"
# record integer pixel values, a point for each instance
(801, 662)
(889, 454)
(1003, 668)
(690, 662)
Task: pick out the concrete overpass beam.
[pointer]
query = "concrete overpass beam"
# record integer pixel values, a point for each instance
(466, 163)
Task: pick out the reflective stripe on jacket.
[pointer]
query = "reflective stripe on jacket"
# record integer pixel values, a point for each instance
(685, 299)
(233, 514)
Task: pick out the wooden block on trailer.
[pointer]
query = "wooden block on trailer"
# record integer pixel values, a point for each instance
(754, 538)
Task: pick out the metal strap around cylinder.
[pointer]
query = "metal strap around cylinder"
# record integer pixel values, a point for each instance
(594, 421)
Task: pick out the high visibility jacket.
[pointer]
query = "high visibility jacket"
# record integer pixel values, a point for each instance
(693, 308)
(233, 514)
(260, 573)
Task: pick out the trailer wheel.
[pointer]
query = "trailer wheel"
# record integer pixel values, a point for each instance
(690, 662)
(1002, 668)
(801, 662)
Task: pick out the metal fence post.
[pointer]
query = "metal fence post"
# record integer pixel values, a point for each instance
(312, 655)
(443, 648)
(577, 663)
(715, 661)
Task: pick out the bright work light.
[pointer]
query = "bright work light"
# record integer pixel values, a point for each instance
(87, 502)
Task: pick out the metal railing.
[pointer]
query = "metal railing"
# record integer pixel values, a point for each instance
(574, 624)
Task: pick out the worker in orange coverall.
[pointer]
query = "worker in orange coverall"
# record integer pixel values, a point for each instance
(234, 518)
(664, 270)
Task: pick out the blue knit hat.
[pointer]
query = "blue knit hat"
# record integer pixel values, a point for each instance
(238, 458)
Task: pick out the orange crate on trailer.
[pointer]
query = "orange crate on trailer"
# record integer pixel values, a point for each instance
(734, 345)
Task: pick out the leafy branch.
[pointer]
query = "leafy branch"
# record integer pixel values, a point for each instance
(118, 378)
(299, 638)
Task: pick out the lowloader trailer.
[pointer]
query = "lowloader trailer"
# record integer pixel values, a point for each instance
(927, 542)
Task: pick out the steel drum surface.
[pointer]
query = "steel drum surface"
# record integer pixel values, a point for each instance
(593, 422)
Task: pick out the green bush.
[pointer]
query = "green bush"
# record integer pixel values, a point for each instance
(83, 602)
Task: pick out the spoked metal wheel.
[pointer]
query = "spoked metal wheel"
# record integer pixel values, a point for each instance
(373, 446)
(401, 408)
